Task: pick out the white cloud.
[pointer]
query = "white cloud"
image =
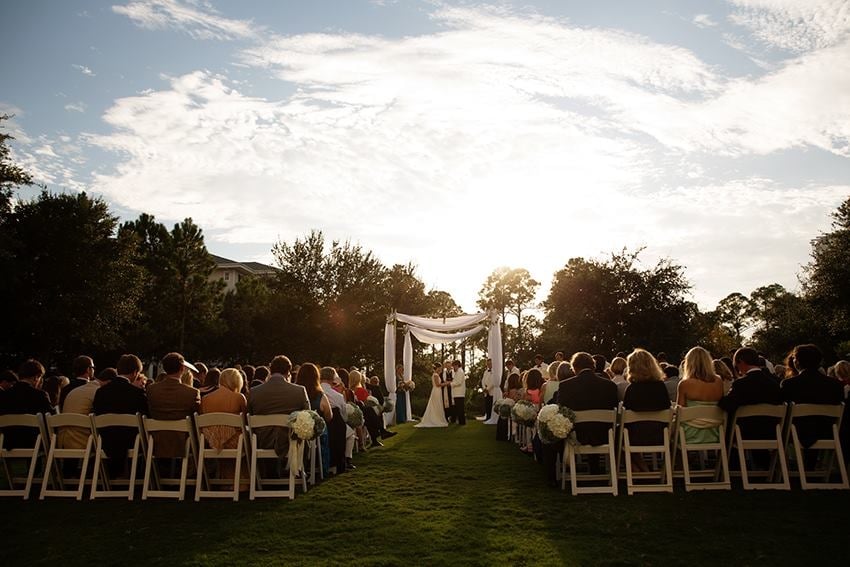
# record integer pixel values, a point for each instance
(704, 21)
(76, 107)
(84, 70)
(196, 18)
(794, 25)
(501, 139)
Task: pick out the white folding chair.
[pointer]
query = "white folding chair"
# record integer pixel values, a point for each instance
(32, 454)
(57, 453)
(832, 443)
(665, 472)
(778, 413)
(703, 417)
(152, 426)
(256, 422)
(314, 449)
(229, 420)
(100, 475)
(573, 449)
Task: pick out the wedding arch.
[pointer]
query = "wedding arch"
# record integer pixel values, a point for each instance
(434, 332)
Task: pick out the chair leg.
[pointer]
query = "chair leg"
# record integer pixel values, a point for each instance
(238, 469)
(134, 460)
(200, 479)
(96, 469)
(83, 473)
(148, 462)
(47, 467)
(253, 485)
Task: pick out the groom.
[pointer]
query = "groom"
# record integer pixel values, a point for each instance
(459, 392)
(447, 391)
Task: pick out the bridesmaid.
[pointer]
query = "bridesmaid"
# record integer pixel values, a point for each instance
(400, 396)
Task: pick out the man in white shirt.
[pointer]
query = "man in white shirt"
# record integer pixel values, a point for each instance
(541, 365)
(342, 436)
(487, 387)
(459, 392)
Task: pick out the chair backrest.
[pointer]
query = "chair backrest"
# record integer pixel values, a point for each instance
(271, 420)
(68, 420)
(762, 410)
(182, 425)
(821, 410)
(115, 420)
(693, 413)
(663, 416)
(597, 416)
(219, 418)
(21, 420)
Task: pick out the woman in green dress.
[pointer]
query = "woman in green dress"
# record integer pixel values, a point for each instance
(700, 386)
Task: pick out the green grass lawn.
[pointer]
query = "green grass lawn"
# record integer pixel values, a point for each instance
(437, 497)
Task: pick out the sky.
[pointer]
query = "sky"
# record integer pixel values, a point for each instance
(460, 136)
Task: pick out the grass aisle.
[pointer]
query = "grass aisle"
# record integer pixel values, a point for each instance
(437, 497)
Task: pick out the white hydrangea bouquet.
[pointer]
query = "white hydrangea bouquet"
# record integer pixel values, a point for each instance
(503, 407)
(373, 403)
(555, 423)
(355, 416)
(388, 405)
(524, 412)
(306, 425)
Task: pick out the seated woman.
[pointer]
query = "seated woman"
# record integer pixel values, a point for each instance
(225, 399)
(308, 376)
(700, 386)
(618, 375)
(533, 394)
(646, 392)
(552, 384)
(358, 395)
(725, 374)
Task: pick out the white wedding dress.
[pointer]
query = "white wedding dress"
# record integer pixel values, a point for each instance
(434, 416)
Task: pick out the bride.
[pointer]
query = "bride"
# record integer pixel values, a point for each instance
(434, 414)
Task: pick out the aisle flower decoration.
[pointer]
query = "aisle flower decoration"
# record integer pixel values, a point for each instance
(373, 403)
(306, 425)
(503, 407)
(355, 416)
(524, 412)
(555, 423)
(388, 405)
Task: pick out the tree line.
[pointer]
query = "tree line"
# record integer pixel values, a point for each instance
(75, 280)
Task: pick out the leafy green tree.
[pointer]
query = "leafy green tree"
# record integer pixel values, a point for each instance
(784, 320)
(512, 291)
(71, 284)
(605, 307)
(11, 174)
(249, 317)
(735, 312)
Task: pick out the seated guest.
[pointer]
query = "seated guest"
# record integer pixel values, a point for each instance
(52, 386)
(80, 401)
(753, 386)
(700, 386)
(248, 371)
(211, 379)
(671, 381)
(810, 386)
(308, 377)
(842, 374)
(341, 436)
(171, 399)
(600, 366)
(550, 388)
(277, 396)
(83, 372)
(618, 375)
(725, 374)
(7, 379)
(119, 395)
(24, 397)
(534, 382)
(199, 378)
(514, 386)
(226, 398)
(358, 397)
(261, 374)
(646, 392)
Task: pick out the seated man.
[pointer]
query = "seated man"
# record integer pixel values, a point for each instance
(83, 370)
(24, 397)
(170, 399)
(119, 395)
(754, 386)
(277, 395)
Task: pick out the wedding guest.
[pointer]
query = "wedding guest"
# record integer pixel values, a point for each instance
(552, 385)
(701, 386)
(540, 364)
(842, 373)
(24, 397)
(618, 375)
(790, 366)
(211, 381)
(514, 387)
(534, 381)
(810, 386)
(7, 379)
(646, 392)
(341, 438)
(671, 381)
(308, 377)
(249, 370)
(487, 387)
(277, 396)
(81, 401)
(225, 398)
(559, 357)
(200, 377)
(82, 370)
(52, 386)
(725, 374)
(261, 374)
(753, 387)
(171, 399)
(510, 368)
(359, 394)
(600, 365)
(120, 395)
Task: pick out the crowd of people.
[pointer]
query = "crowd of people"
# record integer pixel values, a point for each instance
(182, 389)
(644, 382)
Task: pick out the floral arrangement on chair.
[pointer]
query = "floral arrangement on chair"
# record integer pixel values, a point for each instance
(503, 407)
(306, 425)
(555, 423)
(524, 412)
(355, 416)
(388, 405)
(373, 403)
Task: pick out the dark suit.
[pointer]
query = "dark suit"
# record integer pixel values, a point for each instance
(73, 384)
(169, 399)
(587, 391)
(119, 396)
(375, 390)
(23, 398)
(812, 387)
(755, 387)
(276, 396)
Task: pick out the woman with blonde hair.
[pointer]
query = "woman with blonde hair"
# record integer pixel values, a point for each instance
(646, 392)
(700, 386)
(725, 374)
(618, 375)
(225, 399)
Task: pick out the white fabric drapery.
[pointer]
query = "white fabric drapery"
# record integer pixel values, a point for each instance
(447, 324)
(435, 338)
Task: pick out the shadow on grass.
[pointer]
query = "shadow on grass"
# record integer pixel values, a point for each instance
(434, 497)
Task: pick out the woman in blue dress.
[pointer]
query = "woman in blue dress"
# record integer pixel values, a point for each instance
(308, 376)
(400, 396)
